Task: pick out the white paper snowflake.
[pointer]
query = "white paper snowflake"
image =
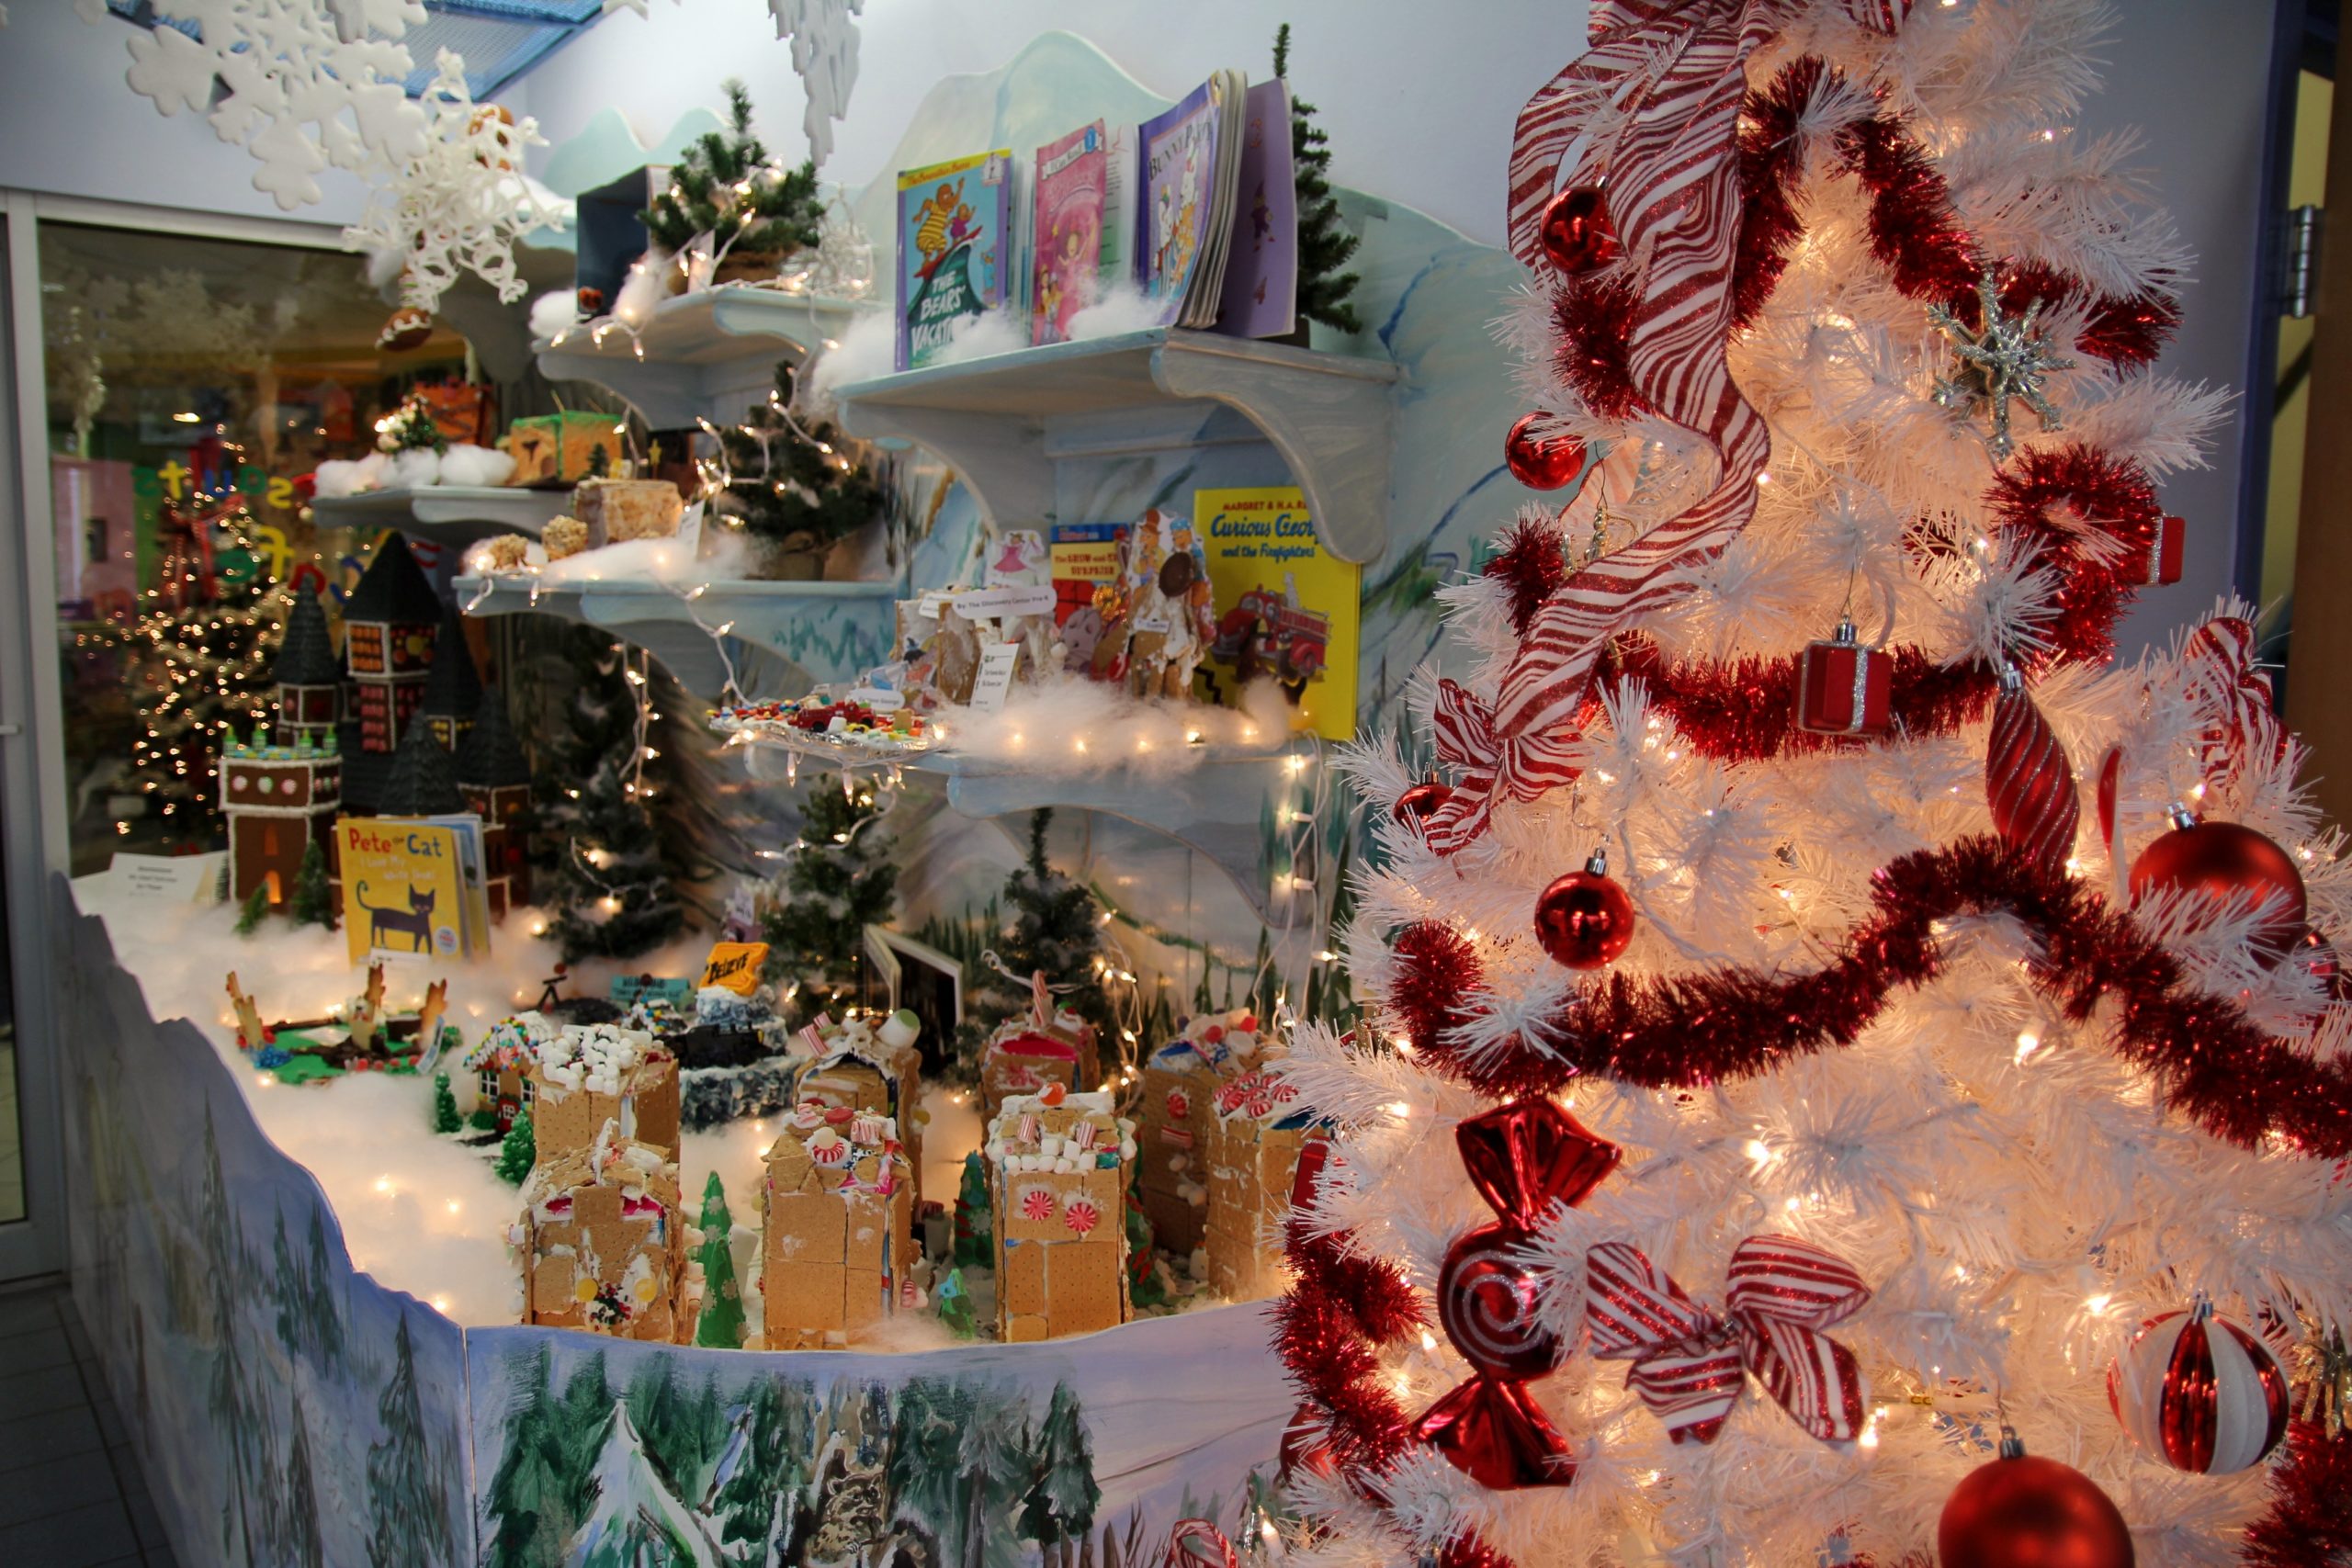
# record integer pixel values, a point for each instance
(305, 86)
(459, 205)
(824, 56)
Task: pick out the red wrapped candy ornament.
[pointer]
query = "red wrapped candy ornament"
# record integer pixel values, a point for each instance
(2227, 863)
(1586, 919)
(2024, 1512)
(2200, 1392)
(1522, 1157)
(1542, 462)
(1577, 234)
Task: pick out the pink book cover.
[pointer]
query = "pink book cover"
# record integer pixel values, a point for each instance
(1067, 250)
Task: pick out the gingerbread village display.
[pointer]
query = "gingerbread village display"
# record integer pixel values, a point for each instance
(605, 1244)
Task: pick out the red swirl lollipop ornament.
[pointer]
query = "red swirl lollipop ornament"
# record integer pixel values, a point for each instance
(1522, 1157)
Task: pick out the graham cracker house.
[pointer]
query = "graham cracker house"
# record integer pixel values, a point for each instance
(604, 1246)
(836, 1227)
(1249, 1154)
(858, 1067)
(1175, 1122)
(1057, 1178)
(594, 1073)
(501, 1065)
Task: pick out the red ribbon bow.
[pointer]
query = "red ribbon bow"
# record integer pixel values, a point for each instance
(1689, 1363)
(1523, 1159)
(2232, 696)
(1488, 766)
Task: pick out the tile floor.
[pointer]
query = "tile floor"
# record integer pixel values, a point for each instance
(71, 1493)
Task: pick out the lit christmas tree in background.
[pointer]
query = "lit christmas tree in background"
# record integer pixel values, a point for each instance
(1826, 1015)
(838, 879)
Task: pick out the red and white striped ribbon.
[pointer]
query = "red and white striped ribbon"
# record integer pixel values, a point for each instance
(2232, 696)
(1689, 1363)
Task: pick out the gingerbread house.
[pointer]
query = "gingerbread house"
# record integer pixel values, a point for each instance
(388, 623)
(499, 1064)
(837, 1249)
(278, 800)
(616, 510)
(1250, 1150)
(1046, 1045)
(1058, 1176)
(593, 1073)
(308, 675)
(495, 779)
(563, 447)
(860, 1065)
(603, 1244)
(1174, 1123)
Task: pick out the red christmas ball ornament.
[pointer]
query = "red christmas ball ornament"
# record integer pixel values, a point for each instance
(1304, 1446)
(1421, 802)
(1576, 233)
(2319, 958)
(2200, 1392)
(1585, 918)
(2227, 862)
(1542, 462)
(2023, 1512)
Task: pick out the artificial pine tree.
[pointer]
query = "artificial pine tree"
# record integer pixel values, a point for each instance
(603, 871)
(518, 1151)
(409, 428)
(975, 1230)
(314, 900)
(839, 880)
(1055, 927)
(721, 1323)
(255, 909)
(445, 1105)
(1324, 246)
(794, 480)
(725, 193)
(199, 657)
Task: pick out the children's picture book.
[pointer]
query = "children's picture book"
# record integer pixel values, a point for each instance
(954, 248)
(1066, 250)
(1287, 609)
(403, 889)
(1260, 298)
(1180, 217)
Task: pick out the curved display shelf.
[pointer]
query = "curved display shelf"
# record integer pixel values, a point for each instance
(709, 355)
(781, 637)
(1002, 422)
(450, 514)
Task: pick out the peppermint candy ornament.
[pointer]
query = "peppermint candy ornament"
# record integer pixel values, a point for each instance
(2200, 1392)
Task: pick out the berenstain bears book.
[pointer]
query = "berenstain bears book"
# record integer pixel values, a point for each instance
(1067, 250)
(954, 244)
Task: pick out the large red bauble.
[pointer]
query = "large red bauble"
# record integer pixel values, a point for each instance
(1542, 462)
(2225, 860)
(1486, 1299)
(2320, 959)
(1585, 918)
(2200, 1392)
(1420, 801)
(1578, 236)
(2030, 1513)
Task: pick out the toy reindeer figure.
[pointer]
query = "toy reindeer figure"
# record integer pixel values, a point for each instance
(251, 1032)
(368, 1018)
(428, 1018)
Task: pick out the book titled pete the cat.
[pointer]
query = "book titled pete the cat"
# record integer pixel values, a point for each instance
(412, 888)
(954, 250)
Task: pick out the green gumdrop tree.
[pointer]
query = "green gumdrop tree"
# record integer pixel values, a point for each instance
(975, 1230)
(794, 479)
(519, 1151)
(1056, 927)
(1324, 245)
(722, 1323)
(605, 877)
(1145, 1288)
(445, 1105)
(313, 902)
(776, 216)
(839, 880)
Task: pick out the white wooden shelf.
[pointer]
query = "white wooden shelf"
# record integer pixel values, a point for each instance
(1002, 422)
(709, 355)
(450, 514)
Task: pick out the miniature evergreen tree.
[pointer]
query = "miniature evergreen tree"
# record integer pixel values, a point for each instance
(1324, 246)
(314, 900)
(519, 1152)
(722, 1323)
(606, 880)
(777, 215)
(599, 461)
(1055, 928)
(954, 1303)
(975, 1230)
(839, 880)
(792, 479)
(1145, 1288)
(445, 1105)
(251, 913)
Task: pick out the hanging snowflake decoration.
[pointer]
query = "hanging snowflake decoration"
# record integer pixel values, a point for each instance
(462, 201)
(2006, 358)
(824, 56)
(305, 86)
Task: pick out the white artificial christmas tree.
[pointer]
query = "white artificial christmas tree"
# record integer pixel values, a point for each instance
(1851, 1065)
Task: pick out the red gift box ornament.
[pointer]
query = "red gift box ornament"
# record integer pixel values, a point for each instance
(1690, 1362)
(1522, 1157)
(2164, 545)
(1844, 688)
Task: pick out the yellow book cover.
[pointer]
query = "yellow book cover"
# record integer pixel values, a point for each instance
(736, 965)
(403, 891)
(1287, 609)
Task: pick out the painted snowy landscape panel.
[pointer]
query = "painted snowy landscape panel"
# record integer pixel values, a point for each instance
(1087, 1451)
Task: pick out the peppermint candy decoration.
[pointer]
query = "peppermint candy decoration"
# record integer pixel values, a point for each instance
(1180, 1104)
(1487, 1301)
(2200, 1392)
(1037, 1204)
(2028, 780)
(1081, 1215)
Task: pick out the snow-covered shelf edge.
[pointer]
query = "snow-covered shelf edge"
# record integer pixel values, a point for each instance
(451, 515)
(1002, 421)
(699, 354)
(771, 639)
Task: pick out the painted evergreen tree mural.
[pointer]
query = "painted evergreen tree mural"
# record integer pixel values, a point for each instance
(1059, 1513)
(841, 877)
(302, 1546)
(408, 1515)
(238, 1422)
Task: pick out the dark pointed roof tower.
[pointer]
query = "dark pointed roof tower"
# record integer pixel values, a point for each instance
(307, 656)
(423, 781)
(489, 757)
(394, 589)
(453, 689)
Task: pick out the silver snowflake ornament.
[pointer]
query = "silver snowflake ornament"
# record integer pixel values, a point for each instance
(2007, 357)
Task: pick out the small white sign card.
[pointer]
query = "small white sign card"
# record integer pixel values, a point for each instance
(183, 879)
(994, 682)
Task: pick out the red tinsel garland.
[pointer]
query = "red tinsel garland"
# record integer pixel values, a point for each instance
(1687, 1031)
(1341, 1307)
(2309, 1521)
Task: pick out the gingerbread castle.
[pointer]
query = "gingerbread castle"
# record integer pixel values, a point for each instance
(1057, 1179)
